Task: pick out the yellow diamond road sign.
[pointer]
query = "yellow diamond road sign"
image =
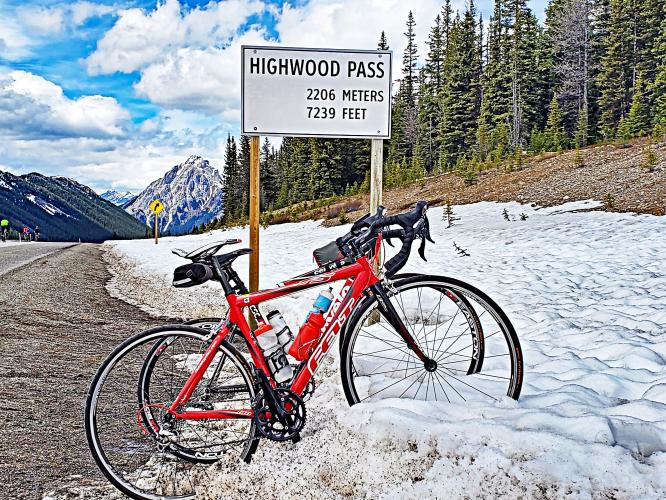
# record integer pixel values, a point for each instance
(156, 207)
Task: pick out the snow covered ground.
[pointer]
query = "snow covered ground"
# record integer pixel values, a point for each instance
(586, 291)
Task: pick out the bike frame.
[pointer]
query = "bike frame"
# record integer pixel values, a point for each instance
(358, 276)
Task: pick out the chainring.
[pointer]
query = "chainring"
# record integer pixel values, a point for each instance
(270, 426)
(309, 390)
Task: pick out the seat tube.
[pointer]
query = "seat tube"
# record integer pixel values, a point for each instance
(388, 311)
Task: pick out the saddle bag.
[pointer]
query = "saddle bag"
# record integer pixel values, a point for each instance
(191, 275)
(328, 253)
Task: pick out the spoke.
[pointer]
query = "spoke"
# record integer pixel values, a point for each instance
(439, 305)
(448, 329)
(470, 386)
(447, 383)
(389, 386)
(388, 342)
(402, 307)
(375, 356)
(440, 384)
(466, 347)
(386, 350)
(410, 386)
(478, 374)
(390, 371)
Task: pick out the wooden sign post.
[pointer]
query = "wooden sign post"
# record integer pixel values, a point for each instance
(254, 213)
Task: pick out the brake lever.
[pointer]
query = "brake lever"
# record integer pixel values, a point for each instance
(424, 234)
(426, 230)
(422, 249)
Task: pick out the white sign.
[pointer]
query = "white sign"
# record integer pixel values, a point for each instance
(316, 92)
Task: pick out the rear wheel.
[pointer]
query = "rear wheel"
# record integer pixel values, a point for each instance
(474, 347)
(144, 452)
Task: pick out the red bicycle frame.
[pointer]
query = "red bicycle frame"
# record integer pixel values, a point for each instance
(358, 277)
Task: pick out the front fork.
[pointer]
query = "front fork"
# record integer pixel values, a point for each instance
(387, 310)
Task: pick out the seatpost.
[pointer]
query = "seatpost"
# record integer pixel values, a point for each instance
(224, 279)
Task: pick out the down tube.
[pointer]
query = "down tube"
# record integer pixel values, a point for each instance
(341, 315)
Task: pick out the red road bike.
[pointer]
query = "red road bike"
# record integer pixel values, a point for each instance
(172, 400)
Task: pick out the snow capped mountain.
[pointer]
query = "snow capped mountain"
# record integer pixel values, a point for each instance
(191, 193)
(118, 198)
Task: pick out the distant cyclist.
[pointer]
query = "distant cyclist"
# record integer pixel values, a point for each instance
(26, 233)
(4, 229)
(36, 233)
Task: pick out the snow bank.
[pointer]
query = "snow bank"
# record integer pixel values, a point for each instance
(586, 292)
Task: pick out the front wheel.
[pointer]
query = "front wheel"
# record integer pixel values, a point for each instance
(473, 345)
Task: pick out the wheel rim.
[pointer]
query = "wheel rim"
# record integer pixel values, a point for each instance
(468, 343)
(130, 457)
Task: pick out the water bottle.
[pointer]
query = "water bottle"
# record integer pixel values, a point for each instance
(311, 329)
(282, 331)
(267, 338)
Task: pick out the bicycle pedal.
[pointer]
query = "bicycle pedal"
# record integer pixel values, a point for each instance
(296, 438)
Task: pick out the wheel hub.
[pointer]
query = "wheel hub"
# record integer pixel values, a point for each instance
(430, 365)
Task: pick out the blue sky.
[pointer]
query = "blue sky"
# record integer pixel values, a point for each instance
(113, 93)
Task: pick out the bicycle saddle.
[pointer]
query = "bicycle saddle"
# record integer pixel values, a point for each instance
(227, 258)
(204, 251)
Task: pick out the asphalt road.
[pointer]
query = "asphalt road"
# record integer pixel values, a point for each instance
(14, 254)
(57, 323)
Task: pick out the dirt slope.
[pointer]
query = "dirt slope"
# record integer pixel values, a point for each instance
(546, 180)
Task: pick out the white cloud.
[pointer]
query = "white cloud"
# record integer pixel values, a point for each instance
(31, 106)
(54, 19)
(86, 138)
(82, 11)
(199, 79)
(140, 38)
(42, 20)
(14, 44)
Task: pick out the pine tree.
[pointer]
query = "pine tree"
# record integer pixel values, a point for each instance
(461, 94)
(555, 136)
(243, 185)
(430, 86)
(404, 121)
(409, 59)
(231, 180)
(659, 85)
(383, 44)
(268, 174)
(523, 62)
(637, 121)
(569, 34)
(614, 78)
